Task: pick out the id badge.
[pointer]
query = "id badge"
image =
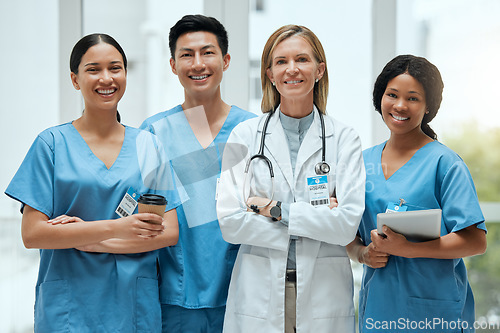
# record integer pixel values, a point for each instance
(318, 190)
(128, 203)
(395, 207)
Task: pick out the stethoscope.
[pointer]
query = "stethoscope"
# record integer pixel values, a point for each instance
(321, 168)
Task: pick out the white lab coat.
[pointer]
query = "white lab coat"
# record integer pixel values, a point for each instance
(324, 278)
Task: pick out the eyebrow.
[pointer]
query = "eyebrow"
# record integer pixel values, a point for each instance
(97, 64)
(410, 92)
(297, 55)
(191, 50)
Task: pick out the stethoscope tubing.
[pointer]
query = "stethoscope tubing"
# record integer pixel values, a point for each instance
(260, 155)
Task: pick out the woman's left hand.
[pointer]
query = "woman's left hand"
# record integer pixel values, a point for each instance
(333, 203)
(64, 219)
(393, 243)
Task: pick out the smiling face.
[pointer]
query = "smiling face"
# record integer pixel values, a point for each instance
(294, 69)
(199, 63)
(101, 77)
(403, 105)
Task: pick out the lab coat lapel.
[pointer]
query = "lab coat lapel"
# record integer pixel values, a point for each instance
(277, 145)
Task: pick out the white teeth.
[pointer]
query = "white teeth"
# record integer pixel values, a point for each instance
(201, 77)
(293, 82)
(105, 92)
(398, 118)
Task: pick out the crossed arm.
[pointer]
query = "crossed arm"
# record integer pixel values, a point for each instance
(124, 235)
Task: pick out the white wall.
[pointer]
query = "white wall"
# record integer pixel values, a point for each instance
(29, 99)
(28, 84)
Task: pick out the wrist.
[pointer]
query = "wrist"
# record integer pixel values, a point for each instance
(110, 229)
(408, 250)
(361, 254)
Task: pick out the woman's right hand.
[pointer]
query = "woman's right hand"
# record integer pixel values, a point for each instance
(367, 255)
(135, 226)
(373, 258)
(370, 255)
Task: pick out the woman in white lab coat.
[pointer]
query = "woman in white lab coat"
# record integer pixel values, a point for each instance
(292, 273)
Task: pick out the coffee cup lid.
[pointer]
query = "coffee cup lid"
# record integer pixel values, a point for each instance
(152, 199)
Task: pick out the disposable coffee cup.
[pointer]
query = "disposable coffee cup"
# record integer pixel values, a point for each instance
(152, 203)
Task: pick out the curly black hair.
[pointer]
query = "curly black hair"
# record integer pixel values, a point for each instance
(424, 72)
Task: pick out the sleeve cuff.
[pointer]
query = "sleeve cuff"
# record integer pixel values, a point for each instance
(285, 213)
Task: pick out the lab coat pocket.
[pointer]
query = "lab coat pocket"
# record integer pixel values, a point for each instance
(253, 286)
(332, 288)
(52, 307)
(148, 309)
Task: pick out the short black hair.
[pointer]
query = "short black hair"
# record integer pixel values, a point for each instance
(82, 46)
(193, 23)
(421, 70)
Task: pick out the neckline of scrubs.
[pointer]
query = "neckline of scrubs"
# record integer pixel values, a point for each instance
(404, 166)
(96, 161)
(218, 133)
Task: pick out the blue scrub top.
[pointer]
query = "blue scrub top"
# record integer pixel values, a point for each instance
(196, 272)
(81, 291)
(412, 292)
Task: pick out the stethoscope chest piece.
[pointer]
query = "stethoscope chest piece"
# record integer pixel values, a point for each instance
(322, 168)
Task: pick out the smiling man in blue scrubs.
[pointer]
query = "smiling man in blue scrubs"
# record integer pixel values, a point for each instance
(195, 274)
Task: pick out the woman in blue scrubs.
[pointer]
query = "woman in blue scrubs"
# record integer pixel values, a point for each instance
(416, 286)
(98, 272)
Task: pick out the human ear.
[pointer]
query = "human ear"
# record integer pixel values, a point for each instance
(226, 60)
(172, 65)
(270, 75)
(74, 81)
(321, 70)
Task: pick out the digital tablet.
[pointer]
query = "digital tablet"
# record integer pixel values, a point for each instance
(416, 225)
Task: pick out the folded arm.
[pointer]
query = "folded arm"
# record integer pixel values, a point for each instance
(168, 237)
(41, 233)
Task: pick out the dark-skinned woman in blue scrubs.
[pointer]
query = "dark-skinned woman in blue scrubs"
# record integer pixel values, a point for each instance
(416, 286)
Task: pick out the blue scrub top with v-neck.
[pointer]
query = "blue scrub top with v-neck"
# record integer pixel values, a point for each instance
(195, 273)
(409, 291)
(92, 292)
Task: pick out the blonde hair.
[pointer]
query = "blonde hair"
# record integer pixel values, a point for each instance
(270, 95)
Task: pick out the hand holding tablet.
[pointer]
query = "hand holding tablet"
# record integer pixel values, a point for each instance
(417, 225)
